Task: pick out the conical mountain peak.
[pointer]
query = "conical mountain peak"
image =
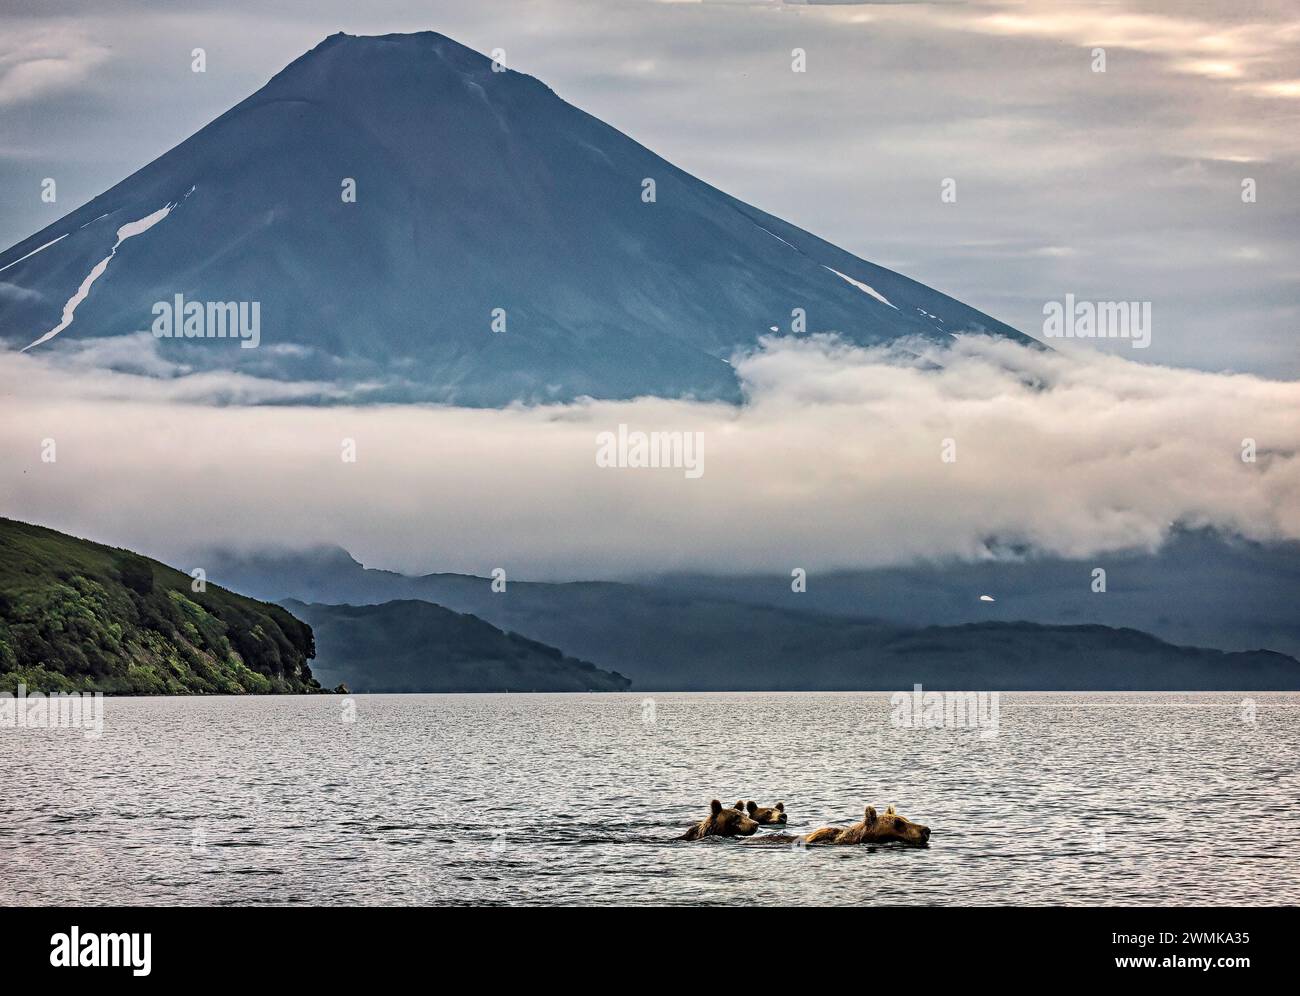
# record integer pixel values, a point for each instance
(405, 216)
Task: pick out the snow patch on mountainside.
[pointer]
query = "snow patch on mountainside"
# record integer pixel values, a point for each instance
(33, 252)
(865, 288)
(127, 231)
(781, 240)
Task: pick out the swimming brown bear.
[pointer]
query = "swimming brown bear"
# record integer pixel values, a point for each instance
(873, 830)
(775, 816)
(722, 823)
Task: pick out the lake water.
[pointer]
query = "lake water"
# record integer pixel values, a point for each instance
(1079, 798)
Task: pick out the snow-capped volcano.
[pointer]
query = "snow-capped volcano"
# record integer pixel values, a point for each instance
(502, 245)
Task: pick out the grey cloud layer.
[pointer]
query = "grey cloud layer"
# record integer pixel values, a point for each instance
(834, 462)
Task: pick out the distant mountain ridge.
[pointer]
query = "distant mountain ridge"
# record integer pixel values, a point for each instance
(673, 639)
(80, 616)
(1201, 588)
(414, 646)
(503, 245)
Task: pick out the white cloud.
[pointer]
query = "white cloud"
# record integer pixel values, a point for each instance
(129, 368)
(835, 461)
(1277, 88)
(45, 59)
(13, 292)
(1202, 46)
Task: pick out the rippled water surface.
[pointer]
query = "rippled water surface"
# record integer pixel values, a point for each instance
(1079, 799)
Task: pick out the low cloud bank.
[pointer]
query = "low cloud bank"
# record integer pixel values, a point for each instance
(841, 457)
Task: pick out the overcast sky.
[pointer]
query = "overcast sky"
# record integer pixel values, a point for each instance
(1122, 185)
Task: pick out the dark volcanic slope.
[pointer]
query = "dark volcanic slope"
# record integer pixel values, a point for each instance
(476, 190)
(78, 616)
(412, 646)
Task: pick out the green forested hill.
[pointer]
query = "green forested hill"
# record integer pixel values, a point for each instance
(79, 616)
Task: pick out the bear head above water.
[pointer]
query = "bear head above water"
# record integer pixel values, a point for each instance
(874, 829)
(775, 816)
(721, 823)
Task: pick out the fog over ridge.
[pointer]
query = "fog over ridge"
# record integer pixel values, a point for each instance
(836, 460)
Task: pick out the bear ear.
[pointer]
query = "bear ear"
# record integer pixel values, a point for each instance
(780, 807)
(716, 807)
(891, 811)
(752, 807)
(871, 815)
(740, 804)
